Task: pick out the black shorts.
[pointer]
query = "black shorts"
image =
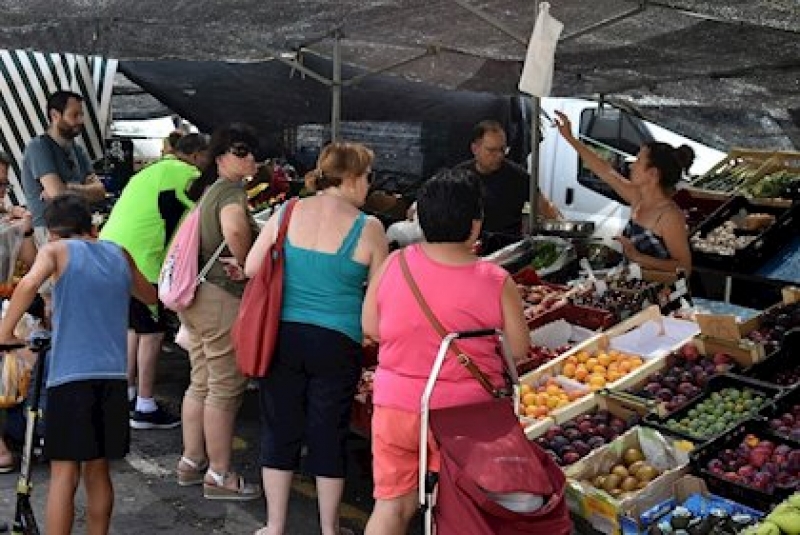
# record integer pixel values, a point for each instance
(87, 420)
(306, 398)
(142, 320)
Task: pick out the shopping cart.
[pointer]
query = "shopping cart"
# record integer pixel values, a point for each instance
(492, 479)
(24, 518)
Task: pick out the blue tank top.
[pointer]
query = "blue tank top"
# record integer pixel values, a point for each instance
(326, 289)
(90, 314)
(645, 241)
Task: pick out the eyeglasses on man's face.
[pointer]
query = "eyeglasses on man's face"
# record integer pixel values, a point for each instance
(241, 151)
(4, 184)
(503, 149)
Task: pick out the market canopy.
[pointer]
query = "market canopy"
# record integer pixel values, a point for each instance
(690, 61)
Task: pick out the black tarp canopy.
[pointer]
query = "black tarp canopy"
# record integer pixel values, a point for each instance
(725, 72)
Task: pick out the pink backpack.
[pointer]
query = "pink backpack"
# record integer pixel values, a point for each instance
(179, 278)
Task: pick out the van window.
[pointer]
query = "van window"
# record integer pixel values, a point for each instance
(615, 136)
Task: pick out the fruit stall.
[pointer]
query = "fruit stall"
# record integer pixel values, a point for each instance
(672, 404)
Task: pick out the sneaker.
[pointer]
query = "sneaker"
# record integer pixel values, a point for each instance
(158, 419)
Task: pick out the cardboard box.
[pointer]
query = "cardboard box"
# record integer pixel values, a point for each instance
(745, 352)
(682, 490)
(608, 514)
(726, 327)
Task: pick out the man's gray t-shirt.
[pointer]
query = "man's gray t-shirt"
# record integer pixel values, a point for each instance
(44, 156)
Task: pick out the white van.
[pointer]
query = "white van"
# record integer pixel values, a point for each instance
(617, 135)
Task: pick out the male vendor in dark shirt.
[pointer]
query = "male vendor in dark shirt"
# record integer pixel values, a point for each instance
(506, 184)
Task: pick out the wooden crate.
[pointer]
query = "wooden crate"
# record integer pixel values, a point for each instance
(757, 162)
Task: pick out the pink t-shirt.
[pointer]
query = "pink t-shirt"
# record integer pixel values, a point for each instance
(463, 298)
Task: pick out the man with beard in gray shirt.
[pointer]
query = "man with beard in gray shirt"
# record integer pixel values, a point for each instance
(53, 164)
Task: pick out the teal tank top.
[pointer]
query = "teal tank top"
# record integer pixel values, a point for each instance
(326, 289)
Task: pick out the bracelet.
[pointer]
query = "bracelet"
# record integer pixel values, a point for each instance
(28, 233)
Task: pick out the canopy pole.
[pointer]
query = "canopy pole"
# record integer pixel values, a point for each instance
(536, 107)
(336, 88)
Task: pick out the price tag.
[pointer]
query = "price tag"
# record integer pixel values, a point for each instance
(719, 326)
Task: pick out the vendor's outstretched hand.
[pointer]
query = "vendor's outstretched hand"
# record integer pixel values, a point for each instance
(563, 124)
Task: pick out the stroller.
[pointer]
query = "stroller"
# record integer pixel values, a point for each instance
(492, 480)
(24, 522)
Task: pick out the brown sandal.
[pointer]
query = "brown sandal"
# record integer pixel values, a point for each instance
(215, 489)
(190, 472)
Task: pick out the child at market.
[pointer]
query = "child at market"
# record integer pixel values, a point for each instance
(87, 409)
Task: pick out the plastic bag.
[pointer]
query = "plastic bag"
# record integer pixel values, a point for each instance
(15, 377)
(537, 73)
(10, 243)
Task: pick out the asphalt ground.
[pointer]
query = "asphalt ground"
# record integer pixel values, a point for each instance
(148, 499)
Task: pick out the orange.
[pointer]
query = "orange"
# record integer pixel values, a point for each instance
(572, 359)
(599, 370)
(597, 382)
(525, 389)
(603, 359)
(624, 366)
(531, 411)
(552, 402)
(582, 356)
(553, 390)
(562, 403)
(541, 399)
(569, 369)
(591, 363)
(529, 399)
(575, 394)
(636, 362)
(540, 412)
(581, 373)
(613, 376)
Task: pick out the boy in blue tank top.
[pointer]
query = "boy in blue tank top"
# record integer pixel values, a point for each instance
(87, 407)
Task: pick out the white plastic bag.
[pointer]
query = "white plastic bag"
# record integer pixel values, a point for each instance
(537, 73)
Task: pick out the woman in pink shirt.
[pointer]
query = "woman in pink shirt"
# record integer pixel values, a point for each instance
(464, 293)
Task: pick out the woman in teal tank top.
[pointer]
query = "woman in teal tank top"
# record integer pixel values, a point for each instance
(331, 250)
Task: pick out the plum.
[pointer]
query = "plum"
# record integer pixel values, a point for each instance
(571, 457)
(762, 480)
(553, 432)
(690, 352)
(759, 457)
(581, 448)
(586, 427)
(747, 471)
(665, 394)
(715, 466)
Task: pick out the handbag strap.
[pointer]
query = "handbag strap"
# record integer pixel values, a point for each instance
(462, 357)
(283, 229)
(201, 276)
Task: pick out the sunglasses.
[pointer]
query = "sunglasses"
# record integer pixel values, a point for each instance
(4, 184)
(240, 151)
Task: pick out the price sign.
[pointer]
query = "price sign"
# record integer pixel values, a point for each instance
(719, 326)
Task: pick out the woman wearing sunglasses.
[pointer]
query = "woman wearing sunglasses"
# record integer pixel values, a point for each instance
(216, 386)
(331, 251)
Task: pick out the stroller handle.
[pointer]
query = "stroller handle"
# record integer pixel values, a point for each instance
(477, 333)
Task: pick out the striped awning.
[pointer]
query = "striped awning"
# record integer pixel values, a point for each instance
(26, 80)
